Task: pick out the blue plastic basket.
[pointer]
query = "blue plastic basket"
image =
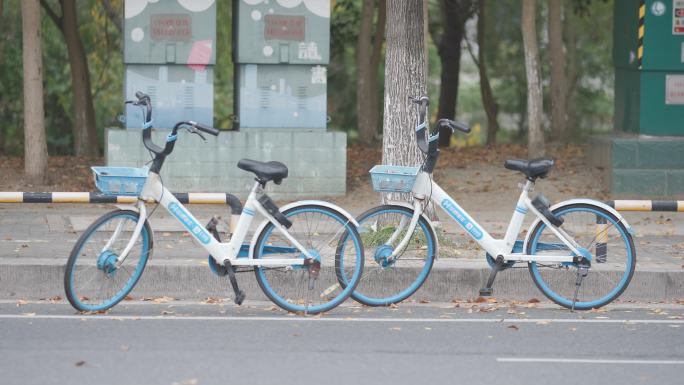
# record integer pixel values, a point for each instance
(120, 180)
(393, 178)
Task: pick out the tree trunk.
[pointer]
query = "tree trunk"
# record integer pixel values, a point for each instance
(114, 14)
(455, 13)
(364, 69)
(570, 34)
(535, 135)
(85, 133)
(35, 144)
(373, 86)
(490, 106)
(405, 76)
(558, 90)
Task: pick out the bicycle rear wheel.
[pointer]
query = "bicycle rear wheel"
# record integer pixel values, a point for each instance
(92, 280)
(385, 281)
(335, 244)
(609, 246)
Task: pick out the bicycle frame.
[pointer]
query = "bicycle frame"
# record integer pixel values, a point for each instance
(154, 190)
(425, 188)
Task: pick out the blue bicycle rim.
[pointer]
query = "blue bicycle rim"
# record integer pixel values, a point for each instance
(590, 304)
(131, 281)
(299, 308)
(402, 295)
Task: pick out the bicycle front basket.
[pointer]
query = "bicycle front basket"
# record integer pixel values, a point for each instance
(120, 180)
(388, 178)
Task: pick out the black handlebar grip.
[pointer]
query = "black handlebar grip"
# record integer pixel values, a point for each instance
(453, 125)
(140, 95)
(207, 129)
(460, 126)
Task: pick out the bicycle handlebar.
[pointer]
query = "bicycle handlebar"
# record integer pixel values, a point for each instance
(145, 102)
(428, 142)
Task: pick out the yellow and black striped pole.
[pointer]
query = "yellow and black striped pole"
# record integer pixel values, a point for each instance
(96, 197)
(640, 41)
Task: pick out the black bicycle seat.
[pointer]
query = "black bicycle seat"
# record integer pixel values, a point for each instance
(533, 168)
(265, 171)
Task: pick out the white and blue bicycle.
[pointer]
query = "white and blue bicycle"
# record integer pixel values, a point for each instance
(580, 252)
(299, 253)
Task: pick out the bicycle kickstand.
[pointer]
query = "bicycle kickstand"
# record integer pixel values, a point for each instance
(487, 291)
(582, 272)
(239, 294)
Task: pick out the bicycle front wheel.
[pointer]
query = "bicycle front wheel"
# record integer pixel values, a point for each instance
(609, 246)
(388, 281)
(93, 280)
(336, 247)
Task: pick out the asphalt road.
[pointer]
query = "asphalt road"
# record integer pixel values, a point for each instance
(190, 343)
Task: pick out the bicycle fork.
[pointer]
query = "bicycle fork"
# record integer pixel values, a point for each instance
(136, 233)
(417, 212)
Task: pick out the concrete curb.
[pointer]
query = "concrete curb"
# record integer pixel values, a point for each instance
(37, 280)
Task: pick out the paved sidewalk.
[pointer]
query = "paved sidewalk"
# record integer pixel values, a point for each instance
(35, 240)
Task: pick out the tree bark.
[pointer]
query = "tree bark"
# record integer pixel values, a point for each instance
(35, 144)
(558, 90)
(84, 130)
(405, 76)
(488, 101)
(535, 135)
(455, 13)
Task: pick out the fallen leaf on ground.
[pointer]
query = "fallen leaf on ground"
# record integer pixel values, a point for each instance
(80, 363)
(533, 300)
(513, 327)
(211, 300)
(423, 300)
(21, 302)
(162, 299)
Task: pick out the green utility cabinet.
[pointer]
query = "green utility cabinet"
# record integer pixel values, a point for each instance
(648, 54)
(170, 53)
(281, 49)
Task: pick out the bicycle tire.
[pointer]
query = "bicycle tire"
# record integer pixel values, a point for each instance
(83, 268)
(330, 237)
(378, 286)
(558, 283)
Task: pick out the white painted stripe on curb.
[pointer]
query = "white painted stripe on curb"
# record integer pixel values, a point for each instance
(540, 321)
(588, 361)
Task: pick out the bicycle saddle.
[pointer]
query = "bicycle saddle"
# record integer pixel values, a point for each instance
(533, 168)
(265, 171)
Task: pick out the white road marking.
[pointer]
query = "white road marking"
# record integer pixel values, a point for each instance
(541, 321)
(588, 361)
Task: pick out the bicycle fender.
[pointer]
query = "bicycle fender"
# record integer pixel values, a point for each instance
(297, 204)
(432, 227)
(128, 207)
(580, 201)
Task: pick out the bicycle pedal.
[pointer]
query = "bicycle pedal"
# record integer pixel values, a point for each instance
(240, 297)
(486, 292)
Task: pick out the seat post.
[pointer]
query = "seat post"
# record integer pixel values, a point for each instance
(529, 185)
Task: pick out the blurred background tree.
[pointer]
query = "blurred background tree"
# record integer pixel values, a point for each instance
(588, 69)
